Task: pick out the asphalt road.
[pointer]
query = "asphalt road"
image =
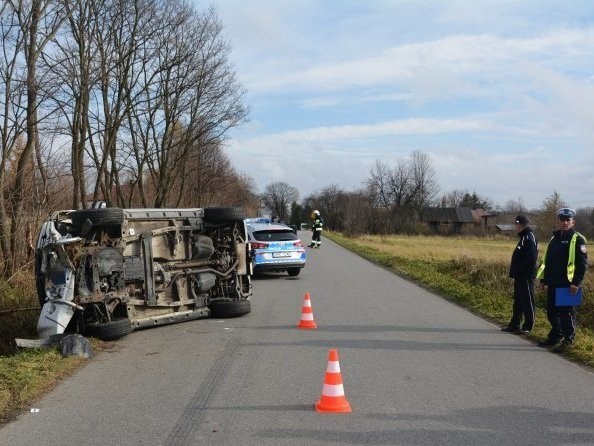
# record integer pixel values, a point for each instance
(417, 370)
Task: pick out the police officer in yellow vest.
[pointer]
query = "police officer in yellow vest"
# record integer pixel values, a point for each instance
(563, 266)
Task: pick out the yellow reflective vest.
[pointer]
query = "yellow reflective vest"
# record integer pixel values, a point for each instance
(570, 258)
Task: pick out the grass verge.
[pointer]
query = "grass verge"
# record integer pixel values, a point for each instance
(475, 277)
(30, 373)
(27, 375)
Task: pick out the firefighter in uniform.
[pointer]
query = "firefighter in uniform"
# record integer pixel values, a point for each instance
(563, 266)
(523, 270)
(317, 224)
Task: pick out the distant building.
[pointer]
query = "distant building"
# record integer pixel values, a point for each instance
(465, 220)
(503, 222)
(447, 220)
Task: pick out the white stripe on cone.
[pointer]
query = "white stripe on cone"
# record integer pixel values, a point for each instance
(307, 317)
(333, 367)
(333, 390)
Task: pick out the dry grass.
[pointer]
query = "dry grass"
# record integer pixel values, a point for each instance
(17, 294)
(29, 374)
(441, 248)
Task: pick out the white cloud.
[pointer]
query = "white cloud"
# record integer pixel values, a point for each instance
(498, 92)
(463, 57)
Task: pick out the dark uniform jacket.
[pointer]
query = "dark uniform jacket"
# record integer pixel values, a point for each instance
(318, 223)
(523, 262)
(555, 272)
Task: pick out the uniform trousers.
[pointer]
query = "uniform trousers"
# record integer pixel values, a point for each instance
(523, 304)
(562, 319)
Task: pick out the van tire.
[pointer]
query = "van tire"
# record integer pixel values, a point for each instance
(230, 308)
(97, 217)
(223, 215)
(39, 279)
(109, 331)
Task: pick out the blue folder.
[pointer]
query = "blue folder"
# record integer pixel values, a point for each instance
(563, 298)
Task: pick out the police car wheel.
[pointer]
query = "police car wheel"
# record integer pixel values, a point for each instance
(293, 272)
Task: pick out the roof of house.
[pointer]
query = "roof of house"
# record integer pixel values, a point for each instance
(505, 227)
(447, 215)
(510, 214)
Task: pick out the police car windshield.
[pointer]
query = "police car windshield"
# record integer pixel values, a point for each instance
(274, 235)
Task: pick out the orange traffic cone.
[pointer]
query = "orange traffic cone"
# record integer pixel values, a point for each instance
(333, 399)
(307, 319)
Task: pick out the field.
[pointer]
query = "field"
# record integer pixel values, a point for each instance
(472, 272)
(442, 248)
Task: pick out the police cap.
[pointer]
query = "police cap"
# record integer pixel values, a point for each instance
(522, 220)
(565, 213)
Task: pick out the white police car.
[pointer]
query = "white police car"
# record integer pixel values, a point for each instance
(274, 247)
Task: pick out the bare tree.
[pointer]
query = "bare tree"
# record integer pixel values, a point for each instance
(142, 92)
(241, 191)
(146, 91)
(193, 102)
(515, 205)
(452, 199)
(118, 40)
(410, 183)
(358, 216)
(404, 189)
(547, 219)
(424, 187)
(585, 222)
(12, 108)
(72, 80)
(380, 185)
(278, 197)
(37, 22)
(464, 198)
(328, 201)
(206, 177)
(348, 212)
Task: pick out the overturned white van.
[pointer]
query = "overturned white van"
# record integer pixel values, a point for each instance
(104, 272)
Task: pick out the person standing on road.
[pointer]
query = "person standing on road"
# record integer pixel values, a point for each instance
(317, 225)
(563, 266)
(523, 270)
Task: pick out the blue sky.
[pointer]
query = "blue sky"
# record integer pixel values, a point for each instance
(500, 94)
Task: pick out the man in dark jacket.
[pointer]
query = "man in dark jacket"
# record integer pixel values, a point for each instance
(563, 266)
(523, 270)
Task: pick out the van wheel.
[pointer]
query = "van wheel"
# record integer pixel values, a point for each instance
(230, 308)
(223, 215)
(294, 271)
(109, 331)
(97, 217)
